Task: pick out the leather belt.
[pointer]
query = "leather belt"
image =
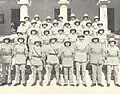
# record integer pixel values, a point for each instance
(37, 56)
(53, 54)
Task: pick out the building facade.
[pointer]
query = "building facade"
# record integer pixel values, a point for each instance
(10, 12)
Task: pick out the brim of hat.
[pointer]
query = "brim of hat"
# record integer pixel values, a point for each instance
(33, 31)
(72, 30)
(95, 39)
(53, 39)
(26, 17)
(99, 24)
(67, 23)
(112, 41)
(80, 36)
(88, 23)
(6, 39)
(86, 31)
(21, 38)
(44, 24)
(34, 23)
(61, 30)
(60, 17)
(46, 31)
(67, 42)
(37, 42)
(22, 21)
(77, 22)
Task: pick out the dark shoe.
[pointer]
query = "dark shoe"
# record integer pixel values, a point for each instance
(85, 85)
(48, 84)
(33, 84)
(24, 84)
(100, 85)
(16, 84)
(93, 85)
(65, 85)
(58, 84)
(9, 84)
(108, 85)
(72, 85)
(77, 84)
(41, 83)
(117, 85)
(2, 84)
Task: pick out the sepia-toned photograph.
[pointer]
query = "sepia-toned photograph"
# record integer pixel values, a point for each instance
(60, 46)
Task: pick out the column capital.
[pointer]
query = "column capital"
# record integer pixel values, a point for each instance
(103, 2)
(61, 2)
(23, 2)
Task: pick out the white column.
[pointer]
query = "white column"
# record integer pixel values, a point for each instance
(23, 8)
(103, 12)
(23, 11)
(63, 8)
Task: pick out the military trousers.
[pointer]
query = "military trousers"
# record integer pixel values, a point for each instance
(19, 67)
(7, 72)
(50, 68)
(116, 73)
(68, 75)
(36, 69)
(83, 65)
(96, 73)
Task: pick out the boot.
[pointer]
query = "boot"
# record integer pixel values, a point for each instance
(33, 84)
(58, 84)
(100, 85)
(93, 85)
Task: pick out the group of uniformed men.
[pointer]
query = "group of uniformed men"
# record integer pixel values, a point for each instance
(61, 45)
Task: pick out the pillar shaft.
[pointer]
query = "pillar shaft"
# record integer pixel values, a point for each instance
(23, 11)
(104, 15)
(23, 8)
(63, 12)
(63, 8)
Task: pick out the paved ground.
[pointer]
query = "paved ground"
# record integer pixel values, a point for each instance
(53, 89)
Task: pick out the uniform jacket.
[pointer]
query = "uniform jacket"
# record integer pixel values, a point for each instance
(20, 53)
(6, 51)
(97, 53)
(113, 55)
(37, 55)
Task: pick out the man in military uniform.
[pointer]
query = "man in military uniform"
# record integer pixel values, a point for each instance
(85, 19)
(6, 51)
(60, 21)
(81, 58)
(113, 56)
(27, 22)
(22, 28)
(49, 22)
(102, 37)
(60, 37)
(73, 36)
(54, 29)
(66, 28)
(67, 56)
(37, 56)
(87, 36)
(78, 27)
(97, 58)
(20, 54)
(53, 60)
(34, 36)
(89, 27)
(33, 26)
(96, 20)
(44, 27)
(37, 19)
(73, 19)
